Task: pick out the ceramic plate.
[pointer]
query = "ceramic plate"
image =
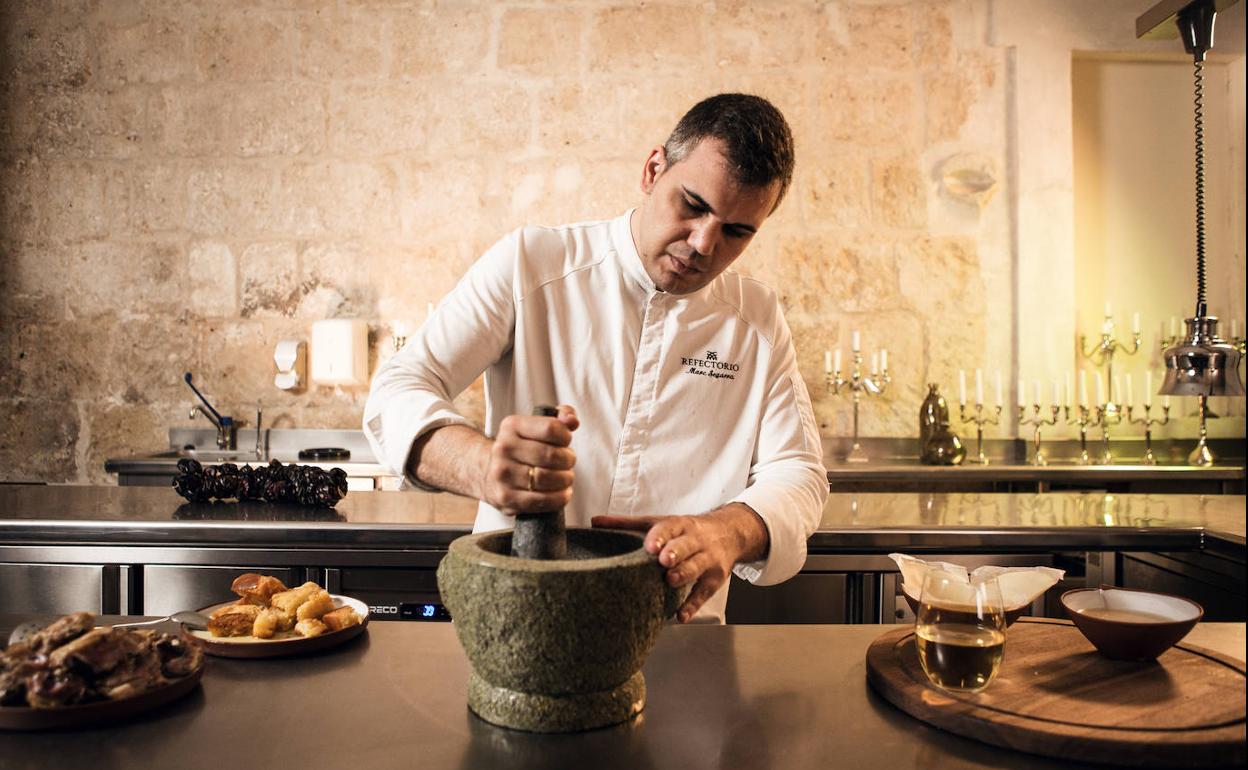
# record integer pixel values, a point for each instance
(24, 718)
(285, 643)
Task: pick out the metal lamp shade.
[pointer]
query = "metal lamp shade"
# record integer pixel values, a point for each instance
(1203, 364)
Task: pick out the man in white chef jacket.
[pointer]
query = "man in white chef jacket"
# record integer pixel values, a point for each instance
(683, 413)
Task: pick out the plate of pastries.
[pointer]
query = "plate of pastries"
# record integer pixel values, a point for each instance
(269, 620)
(72, 673)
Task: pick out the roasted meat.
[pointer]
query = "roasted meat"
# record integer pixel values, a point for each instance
(17, 664)
(100, 650)
(61, 631)
(177, 657)
(72, 662)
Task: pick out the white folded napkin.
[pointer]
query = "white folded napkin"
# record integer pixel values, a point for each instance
(1019, 585)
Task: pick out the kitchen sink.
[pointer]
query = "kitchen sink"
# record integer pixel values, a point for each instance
(210, 455)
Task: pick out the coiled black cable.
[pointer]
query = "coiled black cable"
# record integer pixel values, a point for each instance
(1200, 182)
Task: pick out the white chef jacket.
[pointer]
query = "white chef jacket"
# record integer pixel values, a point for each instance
(686, 402)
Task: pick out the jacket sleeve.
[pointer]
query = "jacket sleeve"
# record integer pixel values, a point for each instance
(470, 329)
(788, 483)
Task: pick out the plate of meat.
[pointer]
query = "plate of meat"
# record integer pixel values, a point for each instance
(269, 620)
(73, 674)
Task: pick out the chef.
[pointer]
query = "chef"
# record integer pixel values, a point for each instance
(682, 410)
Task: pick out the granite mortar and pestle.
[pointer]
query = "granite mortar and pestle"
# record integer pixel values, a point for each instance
(556, 622)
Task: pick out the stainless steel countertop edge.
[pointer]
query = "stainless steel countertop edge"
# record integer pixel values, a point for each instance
(399, 536)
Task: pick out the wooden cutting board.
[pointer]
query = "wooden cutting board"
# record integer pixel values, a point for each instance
(1056, 695)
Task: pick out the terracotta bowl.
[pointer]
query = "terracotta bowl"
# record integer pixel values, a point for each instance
(1128, 624)
(1010, 615)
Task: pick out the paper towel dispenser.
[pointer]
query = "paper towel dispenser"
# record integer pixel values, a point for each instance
(340, 352)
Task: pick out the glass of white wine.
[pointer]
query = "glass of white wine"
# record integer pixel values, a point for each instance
(960, 631)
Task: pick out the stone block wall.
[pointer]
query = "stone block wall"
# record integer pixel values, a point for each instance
(184, 183)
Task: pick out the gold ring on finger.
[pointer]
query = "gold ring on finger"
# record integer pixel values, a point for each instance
(532, 475)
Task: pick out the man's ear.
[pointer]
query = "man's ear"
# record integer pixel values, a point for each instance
(656, 163)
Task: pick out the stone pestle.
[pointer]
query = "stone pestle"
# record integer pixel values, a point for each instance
(540, 535)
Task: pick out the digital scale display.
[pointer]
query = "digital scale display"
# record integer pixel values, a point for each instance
(426, 611)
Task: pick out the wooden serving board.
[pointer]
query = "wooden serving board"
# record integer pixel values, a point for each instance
(1056, 695)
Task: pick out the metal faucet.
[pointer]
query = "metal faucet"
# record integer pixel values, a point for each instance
(223, 423)
(259, 436)
(224, 426)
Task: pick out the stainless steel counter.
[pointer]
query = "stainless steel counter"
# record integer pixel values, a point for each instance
(861, 523)
(755, 697)
(133, 549)
(894, 466)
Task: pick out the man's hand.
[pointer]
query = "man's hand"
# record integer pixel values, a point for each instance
(530, 464)
(699, 549)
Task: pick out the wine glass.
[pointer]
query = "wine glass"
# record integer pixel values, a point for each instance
(960, 631)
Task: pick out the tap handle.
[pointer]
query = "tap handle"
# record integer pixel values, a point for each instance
(191, 385)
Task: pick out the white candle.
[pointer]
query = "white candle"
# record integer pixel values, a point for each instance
(1035, 389)
(1148, 388)
(827, 361)
(979, 386)
(875, 363)
(1100, 389)
(1057, 400)
(1165, 402)
(1174, 326)
(836, 361)
(1130, 393)
(1022, 394)
(1135, 322)
(1000, 399)
(1108, 312)
(1083, 388)
(856, 340)
(884, 360)
(1117, 392)
(961, 386)
(1069, 389)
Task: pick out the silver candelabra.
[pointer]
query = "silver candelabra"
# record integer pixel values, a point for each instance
(1148, 422)
(980, 421)
(857, 385)
(1083, 420)
(1038, 422)
(1102, 353)
(1107, 414)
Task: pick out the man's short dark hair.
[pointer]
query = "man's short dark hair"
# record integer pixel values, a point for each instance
(757, 140)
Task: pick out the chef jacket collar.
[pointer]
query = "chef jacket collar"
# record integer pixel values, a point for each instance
(630, 261)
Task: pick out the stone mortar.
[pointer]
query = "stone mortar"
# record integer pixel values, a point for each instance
(556, 646)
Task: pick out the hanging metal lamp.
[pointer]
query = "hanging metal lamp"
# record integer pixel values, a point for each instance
(1200, 364)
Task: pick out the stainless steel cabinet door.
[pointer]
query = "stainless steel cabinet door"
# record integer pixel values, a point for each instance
(52, 588)
(805, 598)
(169, 589)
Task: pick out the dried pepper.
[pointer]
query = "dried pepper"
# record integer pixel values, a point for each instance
(273, 483)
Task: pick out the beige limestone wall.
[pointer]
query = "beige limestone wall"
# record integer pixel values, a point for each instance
(183, 184)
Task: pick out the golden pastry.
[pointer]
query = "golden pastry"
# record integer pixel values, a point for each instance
(310, 627)
(289, 601)
(233, 620)
(343, 617)
(320, 603)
